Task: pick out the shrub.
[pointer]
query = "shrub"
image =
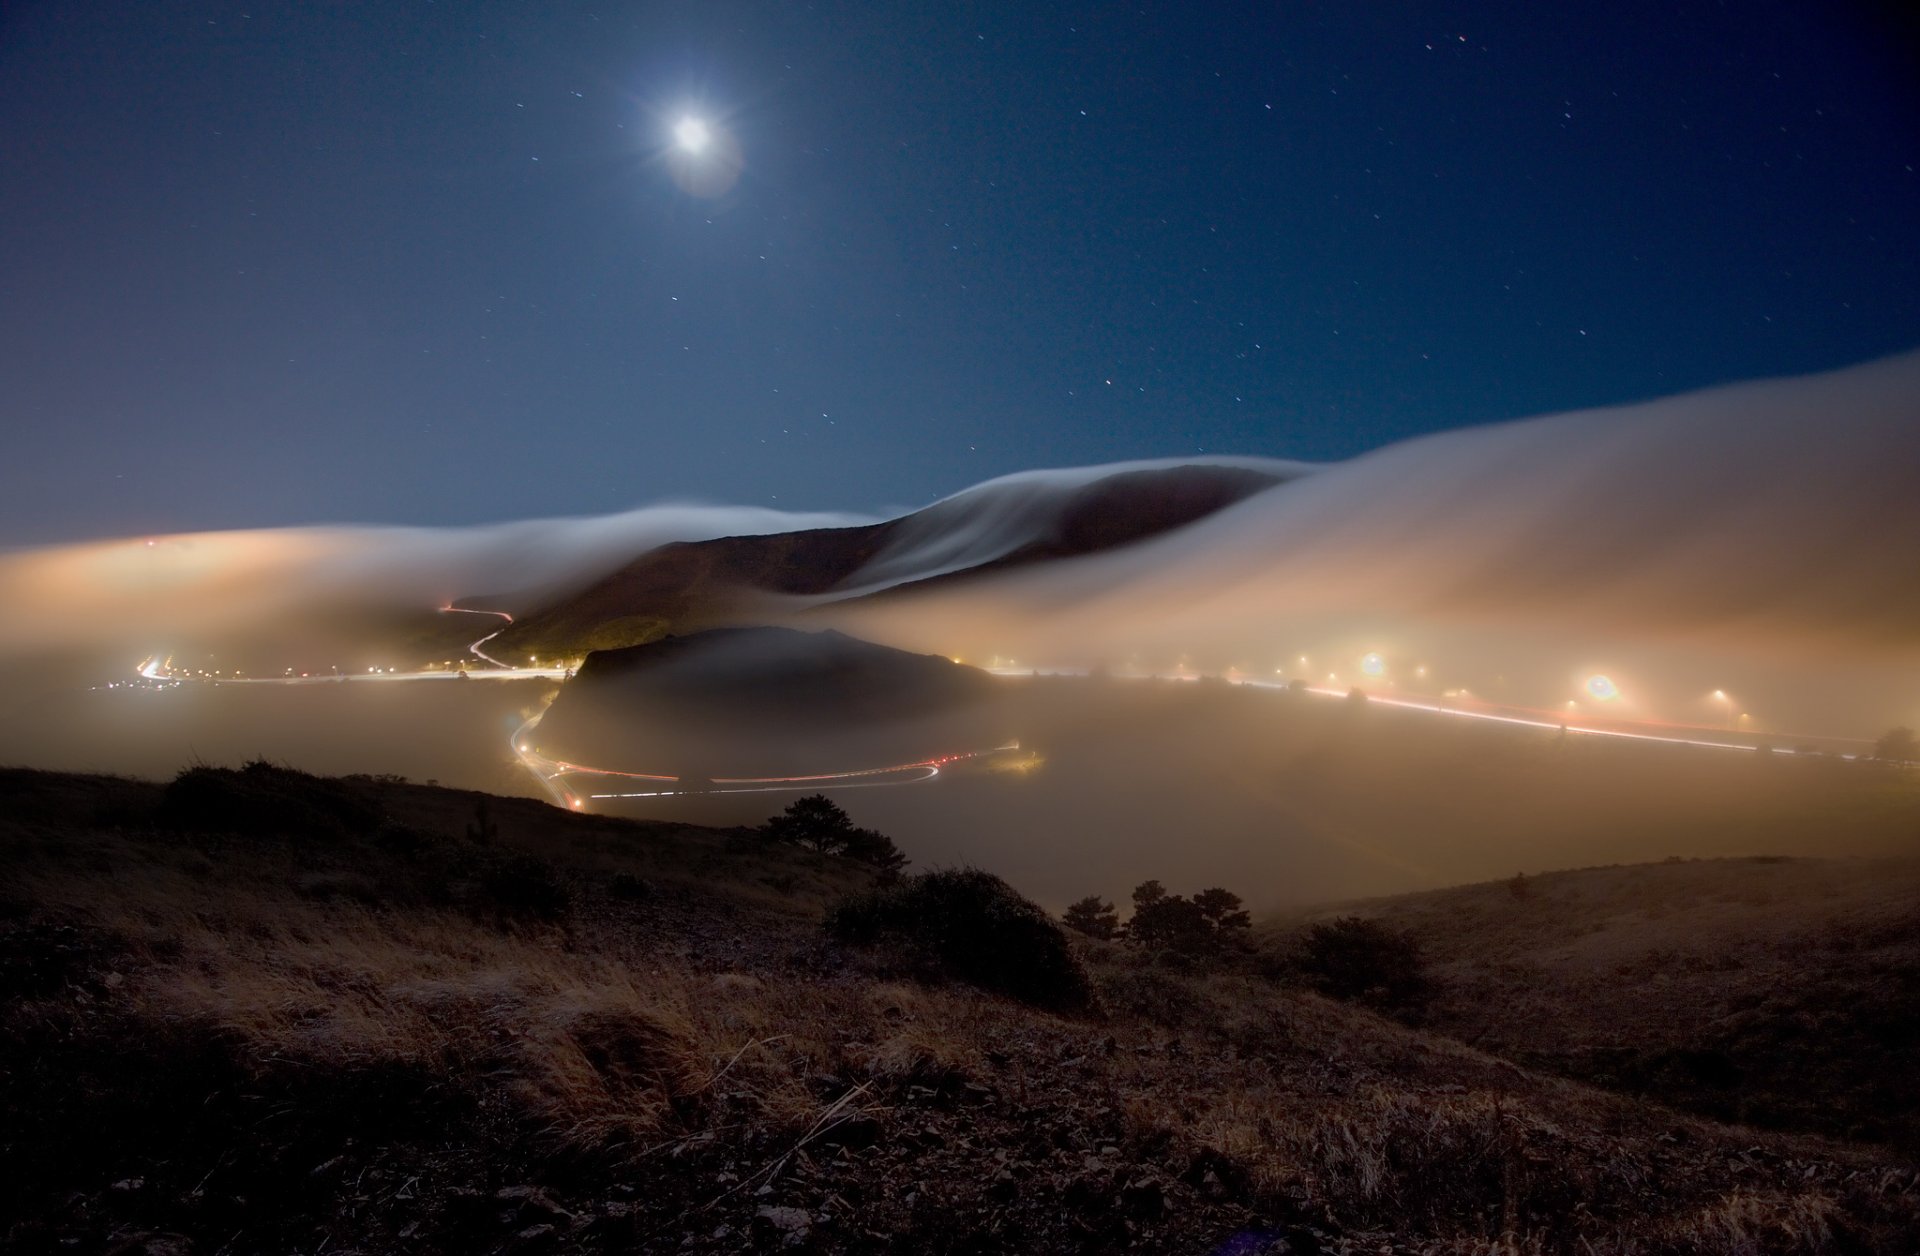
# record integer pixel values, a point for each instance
(1363, 960)
(971, 926)
(1154, 995)
(263, 799)
(630, 886)
(525, 886)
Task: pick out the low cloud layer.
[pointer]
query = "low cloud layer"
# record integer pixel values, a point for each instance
(141, 592)
(1763, 536)
(1759, 540)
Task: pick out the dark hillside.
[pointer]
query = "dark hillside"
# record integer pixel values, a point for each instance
(260, 1011)
(1774, 991)
(768, 701)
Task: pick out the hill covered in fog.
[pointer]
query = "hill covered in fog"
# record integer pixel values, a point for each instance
(1747, 540)
(1023, 521)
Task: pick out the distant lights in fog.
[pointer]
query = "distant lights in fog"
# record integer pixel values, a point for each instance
(1602, 688)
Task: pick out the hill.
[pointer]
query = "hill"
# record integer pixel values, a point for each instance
(1773, 991)
(257, 1010)
(1017, 522)
(765, 702)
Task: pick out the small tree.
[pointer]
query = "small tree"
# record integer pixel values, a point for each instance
(1094, 917)
(815, 821)
(1897, 745)
(1179, 923)
(870, 847)
(1221, 910)
(819, 823)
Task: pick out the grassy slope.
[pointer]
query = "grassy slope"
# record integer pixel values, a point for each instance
(352, 1025)
(1783, 992)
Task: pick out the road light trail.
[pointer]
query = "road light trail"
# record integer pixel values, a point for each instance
(551, 774)
(1524, 717)
(474, 647)
(1526, 721)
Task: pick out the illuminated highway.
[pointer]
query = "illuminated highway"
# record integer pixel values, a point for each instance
(551, 774)
(156, 669)
(159, 668)
(573, 785)
(1471, 709)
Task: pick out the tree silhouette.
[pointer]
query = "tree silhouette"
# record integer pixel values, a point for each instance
(1148, 893)
(1170, 920)
(1221, 910)
(1094, 917)
(819, 823)
(870, 847)
(1175, 922)
(815, 821)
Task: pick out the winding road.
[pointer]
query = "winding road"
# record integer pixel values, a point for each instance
(559, 777)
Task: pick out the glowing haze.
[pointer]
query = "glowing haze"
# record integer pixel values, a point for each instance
(1755, 541)
(1762, 533)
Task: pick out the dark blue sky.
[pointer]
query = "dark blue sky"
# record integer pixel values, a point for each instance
(271, 263)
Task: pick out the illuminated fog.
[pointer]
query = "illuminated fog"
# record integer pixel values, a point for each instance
(1739, 560)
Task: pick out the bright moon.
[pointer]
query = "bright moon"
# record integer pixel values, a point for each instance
(691, 134)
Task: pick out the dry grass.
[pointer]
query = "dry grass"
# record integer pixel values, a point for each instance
(704, 1039)
(1781, 992)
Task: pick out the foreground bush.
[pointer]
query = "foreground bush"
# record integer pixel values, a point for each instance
(971, 926)
(263, 799)
(1363, 960)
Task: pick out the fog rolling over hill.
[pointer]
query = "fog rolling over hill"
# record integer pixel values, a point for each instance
(1752, 539)
(1756, 539)
(1025, 521)
(1739, 553)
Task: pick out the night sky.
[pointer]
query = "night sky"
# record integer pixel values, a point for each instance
(268, 263)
